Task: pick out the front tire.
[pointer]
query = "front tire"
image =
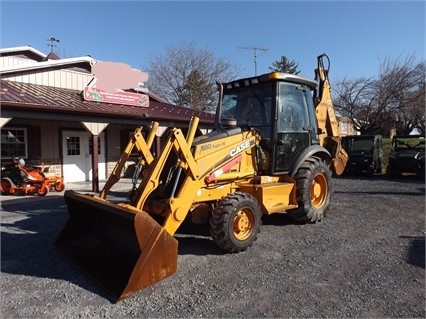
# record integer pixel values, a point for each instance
(42, 190)
(6, 185)
(235, 222)
(313, 191)
(370, 171)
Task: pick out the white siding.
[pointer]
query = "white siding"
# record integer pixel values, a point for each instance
(66, 79)
(9, 61)
(57, 78)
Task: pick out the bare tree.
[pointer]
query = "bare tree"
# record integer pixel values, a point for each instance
(187, 76)
(411, 102)
(353, 100)
(419, 108)
(394, 100)
(285, 65)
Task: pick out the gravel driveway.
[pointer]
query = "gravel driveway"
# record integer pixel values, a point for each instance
(366, 259)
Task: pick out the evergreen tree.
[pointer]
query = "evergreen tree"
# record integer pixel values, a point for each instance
(195, 92)
(285, 65)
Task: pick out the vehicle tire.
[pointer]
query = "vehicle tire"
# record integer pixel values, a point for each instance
(420, 173)
(42, 190)
(313, 191)
(6, 185)
(235, 222)
(391, 172)
(370, 171)
(59, 187)
(379, 169)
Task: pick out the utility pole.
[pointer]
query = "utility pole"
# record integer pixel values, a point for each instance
(255, 49)
(51, 45)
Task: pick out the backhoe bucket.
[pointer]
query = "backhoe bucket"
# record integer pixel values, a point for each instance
(122, 250)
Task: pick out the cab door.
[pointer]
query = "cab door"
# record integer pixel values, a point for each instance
(293, 125)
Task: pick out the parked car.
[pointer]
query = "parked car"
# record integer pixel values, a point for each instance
(365, 154)
(407, 156)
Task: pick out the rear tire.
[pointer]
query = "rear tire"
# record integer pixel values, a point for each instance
(59, 187)
(391, 172)
(313, 191)
(235, 222)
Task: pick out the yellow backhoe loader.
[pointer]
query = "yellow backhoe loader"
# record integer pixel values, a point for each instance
(274, 148)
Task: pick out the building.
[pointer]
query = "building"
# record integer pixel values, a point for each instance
(46, 116)
(346, 126)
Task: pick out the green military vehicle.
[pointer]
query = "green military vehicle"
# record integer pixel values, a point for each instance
(365, 154)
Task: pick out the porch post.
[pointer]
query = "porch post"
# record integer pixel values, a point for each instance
(95, 172)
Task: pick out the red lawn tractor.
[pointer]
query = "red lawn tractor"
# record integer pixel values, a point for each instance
(17, 179)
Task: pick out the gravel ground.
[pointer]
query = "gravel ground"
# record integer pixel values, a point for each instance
(366, 259)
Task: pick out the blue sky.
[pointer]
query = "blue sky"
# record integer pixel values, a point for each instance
(356, 35)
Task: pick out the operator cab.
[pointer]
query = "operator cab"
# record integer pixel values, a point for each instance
(280, 108)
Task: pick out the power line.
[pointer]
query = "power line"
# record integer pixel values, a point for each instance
(255, 49)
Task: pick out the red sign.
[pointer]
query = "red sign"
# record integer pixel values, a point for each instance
(128, 98)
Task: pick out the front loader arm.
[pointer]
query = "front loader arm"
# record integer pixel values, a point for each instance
(137, 141)
(212, 174)
(199, 168)
(176, 142)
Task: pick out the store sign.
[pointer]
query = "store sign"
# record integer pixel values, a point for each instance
(128, 98)
(111, 79)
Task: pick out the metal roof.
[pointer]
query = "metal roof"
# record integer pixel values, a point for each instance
(40, 98)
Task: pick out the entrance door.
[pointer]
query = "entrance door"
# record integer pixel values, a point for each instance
(77, 153)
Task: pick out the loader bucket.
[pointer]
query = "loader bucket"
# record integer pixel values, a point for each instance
(121, 250)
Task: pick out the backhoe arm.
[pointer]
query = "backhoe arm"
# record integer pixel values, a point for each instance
(326, 115)
(327, 121)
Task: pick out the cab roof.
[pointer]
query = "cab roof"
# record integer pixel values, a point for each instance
(272, 76)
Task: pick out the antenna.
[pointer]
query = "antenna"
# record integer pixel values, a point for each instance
(51, 45)
(255, 49)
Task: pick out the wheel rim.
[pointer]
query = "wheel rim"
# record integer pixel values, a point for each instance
(319, 190)
(243, 224)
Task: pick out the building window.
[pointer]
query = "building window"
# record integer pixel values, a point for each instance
(73, 145)
(343, 127)
(14, 143)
